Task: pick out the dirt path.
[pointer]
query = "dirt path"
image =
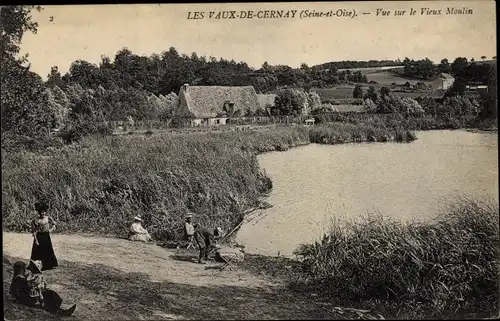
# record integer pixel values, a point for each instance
(117, 279)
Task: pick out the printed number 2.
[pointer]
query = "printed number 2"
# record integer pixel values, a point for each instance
(51, 19)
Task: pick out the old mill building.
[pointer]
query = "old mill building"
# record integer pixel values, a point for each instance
(213, 105)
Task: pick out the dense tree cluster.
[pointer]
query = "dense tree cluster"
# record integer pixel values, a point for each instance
(387, 102)
(295, 102)
(472, 73)
(25, 112)
(420, 69)
(390, 103)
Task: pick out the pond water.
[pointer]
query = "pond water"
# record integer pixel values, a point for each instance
(314, 183)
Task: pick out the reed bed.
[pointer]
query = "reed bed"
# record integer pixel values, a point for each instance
(340, 133)
(446, 268)
(99, 184)
(396, 120)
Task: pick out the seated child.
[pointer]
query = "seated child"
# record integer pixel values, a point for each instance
(34, 277)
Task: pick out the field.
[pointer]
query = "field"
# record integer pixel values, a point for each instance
(373, 69)
(431, 94)
(341, 94)
(382, 78)
(343, 108)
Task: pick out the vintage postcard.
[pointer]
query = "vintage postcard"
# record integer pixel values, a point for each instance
(286, 160)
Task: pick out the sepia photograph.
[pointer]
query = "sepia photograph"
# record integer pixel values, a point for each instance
(250, 161)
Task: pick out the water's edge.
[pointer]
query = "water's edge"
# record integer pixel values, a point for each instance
(264, 212)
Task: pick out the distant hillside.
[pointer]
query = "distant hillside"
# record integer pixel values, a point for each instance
(373, 69)
(348, 64)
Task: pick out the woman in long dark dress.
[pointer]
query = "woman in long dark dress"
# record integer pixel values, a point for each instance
(22, 292)
(42, 249)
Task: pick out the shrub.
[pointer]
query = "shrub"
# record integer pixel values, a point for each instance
(81, 127)
(291, 102)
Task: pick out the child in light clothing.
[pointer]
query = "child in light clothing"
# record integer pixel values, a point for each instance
(34, 277)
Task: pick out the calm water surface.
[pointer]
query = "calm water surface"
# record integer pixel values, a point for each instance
(314, 183)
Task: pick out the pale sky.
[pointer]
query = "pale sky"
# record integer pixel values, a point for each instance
(89, 31)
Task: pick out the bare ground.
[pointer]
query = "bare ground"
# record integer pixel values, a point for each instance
(116, 279)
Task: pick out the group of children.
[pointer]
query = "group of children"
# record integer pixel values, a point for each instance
(205, 238)
(28, 287)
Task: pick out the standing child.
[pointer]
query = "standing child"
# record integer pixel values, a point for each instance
(189, 230)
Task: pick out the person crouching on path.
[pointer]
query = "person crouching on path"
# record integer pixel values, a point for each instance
(137, 232)
(205, 238)
(42, 244)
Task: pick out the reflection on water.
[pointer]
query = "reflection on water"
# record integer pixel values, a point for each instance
(314, 183)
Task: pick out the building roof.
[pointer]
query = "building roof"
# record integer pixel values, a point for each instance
(208, 101)
(446, 76)
(266, 99)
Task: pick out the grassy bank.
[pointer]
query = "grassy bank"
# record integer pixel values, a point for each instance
(339, 133)
(445, 268)
(97, 185)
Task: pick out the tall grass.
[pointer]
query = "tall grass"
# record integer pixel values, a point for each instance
(338, 133)
(445, 268)
(99, 184)
(394, 121)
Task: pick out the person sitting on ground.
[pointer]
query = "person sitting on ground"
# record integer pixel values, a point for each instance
(206, 240)
(29, 288)
(137, 232)
(35, 280)
(19, 287)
